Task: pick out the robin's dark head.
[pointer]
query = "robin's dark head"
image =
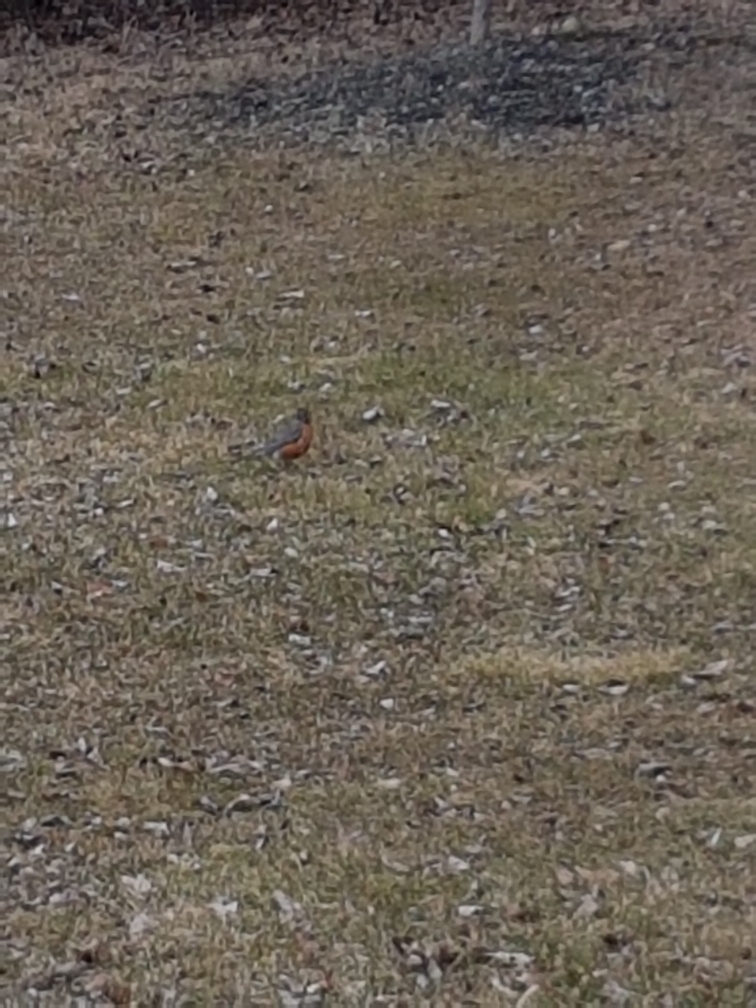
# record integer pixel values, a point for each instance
(303, 415)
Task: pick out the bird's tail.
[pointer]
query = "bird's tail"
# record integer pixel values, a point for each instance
(245, 449)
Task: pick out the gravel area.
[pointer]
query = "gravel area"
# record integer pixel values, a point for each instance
(507, 87)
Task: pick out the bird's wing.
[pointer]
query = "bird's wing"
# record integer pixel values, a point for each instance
(285, 435)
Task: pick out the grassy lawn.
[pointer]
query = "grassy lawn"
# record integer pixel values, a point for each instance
(459, 709)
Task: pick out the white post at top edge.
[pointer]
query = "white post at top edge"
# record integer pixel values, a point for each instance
(481, 16)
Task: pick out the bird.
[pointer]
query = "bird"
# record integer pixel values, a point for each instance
(292, 440)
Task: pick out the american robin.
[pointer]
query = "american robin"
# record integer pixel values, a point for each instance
(292, 440)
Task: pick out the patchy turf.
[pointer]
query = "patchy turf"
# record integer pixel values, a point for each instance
(459, 709)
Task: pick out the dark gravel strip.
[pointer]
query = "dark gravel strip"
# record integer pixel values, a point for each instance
(507, 87)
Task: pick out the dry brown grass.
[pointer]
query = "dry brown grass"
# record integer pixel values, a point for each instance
(421, 719)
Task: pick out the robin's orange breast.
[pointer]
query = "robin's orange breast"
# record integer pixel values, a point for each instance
(295, 449)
